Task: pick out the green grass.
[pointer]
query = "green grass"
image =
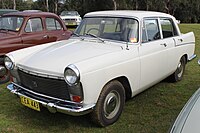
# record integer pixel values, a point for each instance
(152, 111)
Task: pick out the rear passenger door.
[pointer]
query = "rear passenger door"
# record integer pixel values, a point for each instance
(153, 53)
(54, 30)
(33, 33)
(171, 38)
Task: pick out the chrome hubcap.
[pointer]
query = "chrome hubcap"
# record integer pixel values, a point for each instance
(180, 69)
(111, 104)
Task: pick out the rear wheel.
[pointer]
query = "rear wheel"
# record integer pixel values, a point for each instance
(178, 74)
(110, 104)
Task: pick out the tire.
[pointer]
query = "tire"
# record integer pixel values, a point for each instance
(178, 74)
(5, 78)
(109, 105)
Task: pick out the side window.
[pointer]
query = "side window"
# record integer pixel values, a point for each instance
(168, 29)
(53, 24)
(151, 30)
(34, 25)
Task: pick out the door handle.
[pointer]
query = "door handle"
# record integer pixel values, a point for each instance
(63, 34)
(45, 36)
(164, 44)
(180, 40)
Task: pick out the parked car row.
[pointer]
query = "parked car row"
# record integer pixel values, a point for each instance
(111, 56)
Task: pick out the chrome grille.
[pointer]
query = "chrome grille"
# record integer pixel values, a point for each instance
(47, 86)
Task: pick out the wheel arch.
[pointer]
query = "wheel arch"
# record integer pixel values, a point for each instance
(125, 82)
(186, 57)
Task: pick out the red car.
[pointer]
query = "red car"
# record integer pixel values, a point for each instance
(24, 29)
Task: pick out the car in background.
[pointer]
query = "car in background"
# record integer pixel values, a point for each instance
(24, 29)
(189, 118)
(4, 11)
(70, 18)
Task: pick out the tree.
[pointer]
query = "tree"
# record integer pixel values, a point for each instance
(14, 4)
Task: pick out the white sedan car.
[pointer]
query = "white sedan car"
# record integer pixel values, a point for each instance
(112, 56)
(70, 18)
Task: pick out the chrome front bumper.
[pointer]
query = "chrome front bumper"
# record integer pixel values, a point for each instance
(51, 103)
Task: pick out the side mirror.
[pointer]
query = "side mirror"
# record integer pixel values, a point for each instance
(199, 61)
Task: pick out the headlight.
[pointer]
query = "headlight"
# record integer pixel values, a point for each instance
(9, 63)
(72, 75)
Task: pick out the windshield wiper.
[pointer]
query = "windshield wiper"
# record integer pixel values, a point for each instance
(93, 35)
(73, 33)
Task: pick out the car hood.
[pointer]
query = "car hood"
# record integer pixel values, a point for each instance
(55, 58)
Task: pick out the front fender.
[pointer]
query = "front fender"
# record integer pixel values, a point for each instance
(109, 68)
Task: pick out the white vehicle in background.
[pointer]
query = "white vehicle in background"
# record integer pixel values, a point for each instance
(70, 18)
(112, 56)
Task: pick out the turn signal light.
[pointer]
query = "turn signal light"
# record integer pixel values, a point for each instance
(76, 98)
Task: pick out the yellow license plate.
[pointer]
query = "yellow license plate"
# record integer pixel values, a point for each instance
(30, 103)
(70, 23)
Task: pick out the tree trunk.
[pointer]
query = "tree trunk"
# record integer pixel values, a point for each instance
(47, 5)
(136, 5)
(167, 6)
(115, 4)
(14, 4)
(56, 6)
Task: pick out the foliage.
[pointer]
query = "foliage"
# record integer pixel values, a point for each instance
(187, 11)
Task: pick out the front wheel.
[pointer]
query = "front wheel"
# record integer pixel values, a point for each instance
(110, 104)
(5, 78)
(178, 74)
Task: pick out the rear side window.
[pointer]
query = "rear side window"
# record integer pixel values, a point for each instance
(151, 30)
(34, 25)
(168, 28)
(53, 24)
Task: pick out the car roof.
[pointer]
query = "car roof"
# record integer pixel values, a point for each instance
(128, 13)
(30, 14)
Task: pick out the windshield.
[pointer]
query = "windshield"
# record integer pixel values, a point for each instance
(120, 29)
(69, 13)
(11, 23)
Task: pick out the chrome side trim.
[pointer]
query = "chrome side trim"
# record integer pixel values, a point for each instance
(192, 57)
(181, 44)
(51, 103)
